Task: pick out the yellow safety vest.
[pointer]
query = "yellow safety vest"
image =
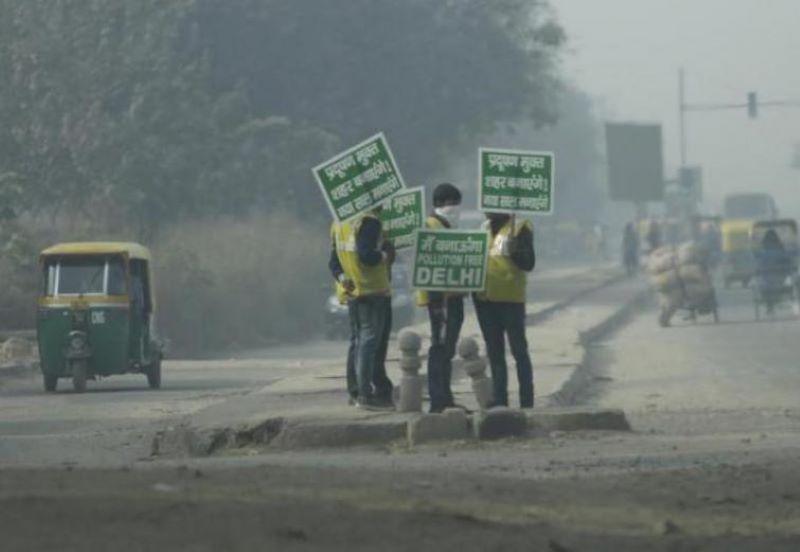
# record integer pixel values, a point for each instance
(341, 293)
(505, 282)
(368, 280)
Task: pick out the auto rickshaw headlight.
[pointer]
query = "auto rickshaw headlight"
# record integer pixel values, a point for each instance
(77, 343)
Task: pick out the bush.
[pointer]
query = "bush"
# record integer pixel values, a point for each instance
(229, 284)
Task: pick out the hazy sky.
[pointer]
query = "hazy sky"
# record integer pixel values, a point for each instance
(627, 53)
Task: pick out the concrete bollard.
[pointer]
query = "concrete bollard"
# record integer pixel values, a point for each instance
(475, 367)
(410, 363)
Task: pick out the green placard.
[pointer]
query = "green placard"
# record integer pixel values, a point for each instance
(402, 216)
(516, 181)
(359, 179)
(450, 260)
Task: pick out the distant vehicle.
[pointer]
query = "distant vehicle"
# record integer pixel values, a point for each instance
(776, 280)
(337, 323)
(753, 206)
(96, 314)
(737, 252)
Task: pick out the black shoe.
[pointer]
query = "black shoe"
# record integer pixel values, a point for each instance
(352, 401)
(373, 404)
(384, 401)
(496, 404)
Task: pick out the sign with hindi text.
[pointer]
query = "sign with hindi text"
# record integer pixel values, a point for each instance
(516, 181)
(402, 216)
(359, 179)
(450, 260)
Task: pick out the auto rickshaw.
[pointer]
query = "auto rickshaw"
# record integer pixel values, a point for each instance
(96, 314)
(738, 264)
(776, 276)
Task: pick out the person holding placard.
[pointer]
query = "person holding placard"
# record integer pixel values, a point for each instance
(360, 262)
(445, 310)
(501, 306)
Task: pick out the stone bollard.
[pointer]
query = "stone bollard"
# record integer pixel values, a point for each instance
(410, 363)
(475, 367)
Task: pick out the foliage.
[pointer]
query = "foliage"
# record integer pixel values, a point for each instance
(156, 119)
(158, 110)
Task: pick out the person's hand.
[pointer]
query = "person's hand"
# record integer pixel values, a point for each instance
(388, 248)
(347, 284)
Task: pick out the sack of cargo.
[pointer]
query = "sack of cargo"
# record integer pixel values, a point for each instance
(665, 281)
(691, 253)
(692, 273)
(698, 292)
(661, 260)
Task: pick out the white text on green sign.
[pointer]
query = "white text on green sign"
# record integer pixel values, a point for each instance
(450, 260)
(516, 181)
(402, 216)
(359, 179)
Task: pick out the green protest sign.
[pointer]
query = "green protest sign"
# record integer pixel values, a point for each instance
(359, 179)
(402, 216)
(516, 181)
(450, 260)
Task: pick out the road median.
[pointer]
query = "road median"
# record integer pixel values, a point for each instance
(309, 411)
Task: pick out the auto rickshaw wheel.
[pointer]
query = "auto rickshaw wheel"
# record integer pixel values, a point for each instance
(50, 383)
(79, 374)
(154, 375)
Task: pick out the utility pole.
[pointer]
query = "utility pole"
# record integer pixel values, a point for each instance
(752, 105)
(682, 114)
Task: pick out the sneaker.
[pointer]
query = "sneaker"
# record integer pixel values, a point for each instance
(352, 401)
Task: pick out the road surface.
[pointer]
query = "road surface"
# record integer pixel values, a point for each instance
(712, 464)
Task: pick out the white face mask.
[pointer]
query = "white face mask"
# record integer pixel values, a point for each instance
(450, 212)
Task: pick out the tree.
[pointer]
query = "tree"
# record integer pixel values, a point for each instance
(145, 113)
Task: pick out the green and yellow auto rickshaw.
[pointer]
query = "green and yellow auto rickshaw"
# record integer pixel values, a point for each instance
(737, 252)
(96, 314)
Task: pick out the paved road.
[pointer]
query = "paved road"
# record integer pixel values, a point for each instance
(114, 422)
(712, 465)
(740, 365)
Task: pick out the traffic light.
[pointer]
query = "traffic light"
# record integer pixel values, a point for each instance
(752, 105)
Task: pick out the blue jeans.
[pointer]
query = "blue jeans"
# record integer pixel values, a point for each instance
(496, 321)
(370, 325)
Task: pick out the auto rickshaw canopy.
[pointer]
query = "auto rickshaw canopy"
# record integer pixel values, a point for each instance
(132, 249)
(736, 234)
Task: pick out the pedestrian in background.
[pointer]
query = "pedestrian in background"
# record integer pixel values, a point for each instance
(501, 307)
(630, 249)
(445, 310)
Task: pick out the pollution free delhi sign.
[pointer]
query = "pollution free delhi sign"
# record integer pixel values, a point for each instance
(450, 260)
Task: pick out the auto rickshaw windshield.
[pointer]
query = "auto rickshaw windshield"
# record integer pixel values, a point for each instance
(80, 275)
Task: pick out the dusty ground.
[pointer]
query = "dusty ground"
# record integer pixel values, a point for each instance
(722, 507)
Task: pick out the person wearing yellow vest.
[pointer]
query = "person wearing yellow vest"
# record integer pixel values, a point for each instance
(445, 310)
(501, 306)
(360, 262)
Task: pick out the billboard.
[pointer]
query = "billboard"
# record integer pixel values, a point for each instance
(635, 163)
